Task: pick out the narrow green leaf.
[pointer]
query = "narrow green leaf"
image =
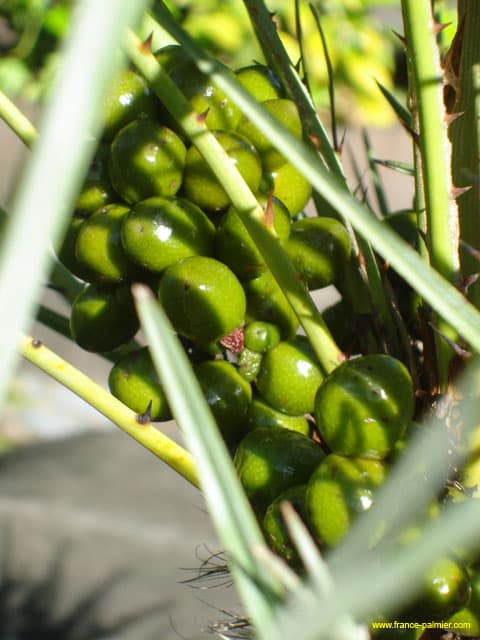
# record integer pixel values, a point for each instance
(402, 112)
(395, 165)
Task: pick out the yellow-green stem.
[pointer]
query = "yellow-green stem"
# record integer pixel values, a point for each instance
(145, 434)
(17, 121)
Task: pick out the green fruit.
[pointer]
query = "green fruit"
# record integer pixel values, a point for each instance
(99, 247)
(97, 190)
(261, 336)
(275, 529)
(205, 97)
(200, 184)
(339, 490)
(341, 323)
(286, 112)
(267, 302)
(261, 414)
(103, 319)
(249, 364)
(290, 376)
(203, 299)
(236, 249)
(128, 98)
(259, 81)
(134, 381)
(363, 407)
(288, 185)
(228, 395)
(468, 618)
(67, 251)
(146, 160)
(171, 55)
(319, 249)
(160, 231)
(269, 461)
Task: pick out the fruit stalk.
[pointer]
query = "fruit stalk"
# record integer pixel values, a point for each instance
(16, 120)
(144, 433)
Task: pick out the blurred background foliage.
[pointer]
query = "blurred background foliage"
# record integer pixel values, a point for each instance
(362, 46)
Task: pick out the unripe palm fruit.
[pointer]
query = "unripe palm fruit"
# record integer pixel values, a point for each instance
(319, 248)
(259, 81)
(171, 55)
(249, 364)
(99, 247)
(227, 394)
(200, 184)
(261, 336)
(67, 251)
(338, 491)
(363, 407)
(290, 376)
(275, 529)
(234, 246)
(471, 613)
(288, 185)
(266, 301)
(159, 231)
(134, 381)
(261, 414)
(97, 190)
(103, 319)
(203, 299)
(205, 96)
(146, 159)
(286, 112)
(269, 461)
(128, 98)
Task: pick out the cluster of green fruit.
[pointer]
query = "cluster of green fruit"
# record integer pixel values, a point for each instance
(151, 210)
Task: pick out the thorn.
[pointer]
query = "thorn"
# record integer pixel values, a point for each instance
(451, 117)
(269, 213)
(36, 344)
(459, 191)
(234, 342)
(402, 39)
(339, 149)
(438, 27)
(315, 140)
(146, 46)
(456, 348)
(201, 117)
(475, 253)
(468, 281)
(146, 416)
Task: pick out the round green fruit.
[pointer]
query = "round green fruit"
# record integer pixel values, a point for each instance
(203, 299)
(67, 251)
(97, 190)
(290, 376)
(261, 336)
(147, 159)
(275, 529)
(339, 490)
(99, 247)
(288, 185)
(228, 395)
(134, 381)
(200, 184)
(171, 55)
(259, 81)
(103, 319)
(286, 112)
(363, 407)
(261, 414)
(269, 461)
(128, 98)
(235, 248)
(159, 231)
(319, 249)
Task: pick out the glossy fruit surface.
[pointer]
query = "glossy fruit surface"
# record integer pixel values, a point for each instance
(469, 616)
(288, 185)
(97, 189)
(363, 407)
(286, 112)
(103, 319)
(147, 159)
(202, 187)
(261, 336)
(67, 251)
(275, 529)
(134, 381)
(338, 491)
(267, 302)
(159, 231)
(269, 461)
(228, 395)
(99, 247)
(261, 414)
(233, 244)
(319, 248)
(259, 81)
(290, 376)
(203, 299)
(128, 98)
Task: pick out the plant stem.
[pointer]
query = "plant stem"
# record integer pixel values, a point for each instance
(145, 434)
(242, 199)
(17, 121)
